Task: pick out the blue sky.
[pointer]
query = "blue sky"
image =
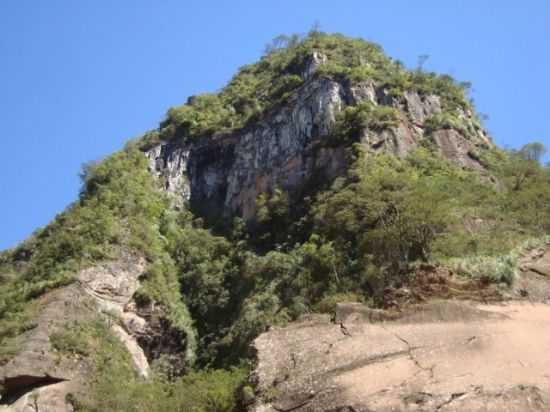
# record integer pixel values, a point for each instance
(80, 77)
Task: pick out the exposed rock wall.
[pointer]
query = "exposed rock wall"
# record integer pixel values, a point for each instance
(280, 151)
(111, 286)
(222, 175)
(169, 164)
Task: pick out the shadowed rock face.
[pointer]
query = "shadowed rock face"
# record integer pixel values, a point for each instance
(222, 175)
(439, 356)
(49, 396)
(37, 367)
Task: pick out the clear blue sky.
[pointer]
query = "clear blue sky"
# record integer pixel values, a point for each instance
(80, 77)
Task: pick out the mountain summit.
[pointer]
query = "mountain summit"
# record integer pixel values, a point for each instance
(288, 244)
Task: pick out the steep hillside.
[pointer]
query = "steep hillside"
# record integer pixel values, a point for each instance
(324, 173)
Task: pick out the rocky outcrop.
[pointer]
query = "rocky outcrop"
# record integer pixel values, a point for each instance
(49, 397)
(37, 366)
(40, 377)
(221, 175)
(443, 355)
(148, 326)
(420, 108)
(447, 356)
(312, 63)
(111, 286)
(282, 150)
(456, 147)
(169, 164)
(533, 283)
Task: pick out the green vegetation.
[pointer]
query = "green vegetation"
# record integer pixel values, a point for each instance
(368, 229)
(115, 385)
(118, 210)
(349, 240)
(329, 302)
(274, 80)
(448, 120)
(488, 268)
(354, 120)
(360, 236)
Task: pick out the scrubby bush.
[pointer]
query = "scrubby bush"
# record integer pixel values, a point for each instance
(355, 120)
(203, 114)
(115, 385)
(489, 268)
(328, 303)
(385, 212)
(448, 120)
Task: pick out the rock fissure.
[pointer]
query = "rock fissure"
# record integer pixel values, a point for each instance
(453, 397)
(16, 387)
(344, 330)
(410, 352)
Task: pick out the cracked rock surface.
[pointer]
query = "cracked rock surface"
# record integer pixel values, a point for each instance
(439, 356)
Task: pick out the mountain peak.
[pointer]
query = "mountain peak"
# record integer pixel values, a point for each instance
(295, 113)
(254, 240)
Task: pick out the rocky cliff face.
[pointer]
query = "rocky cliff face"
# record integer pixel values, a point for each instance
(222, 175)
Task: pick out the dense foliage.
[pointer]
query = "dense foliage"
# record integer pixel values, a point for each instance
(117, 387)
(355, 239)
(118, 210)
(350, 239)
